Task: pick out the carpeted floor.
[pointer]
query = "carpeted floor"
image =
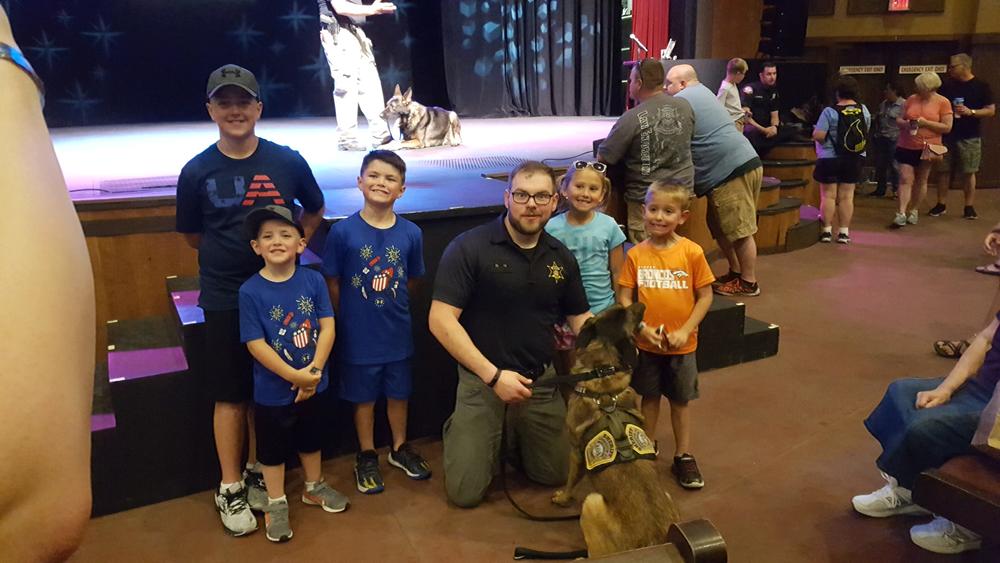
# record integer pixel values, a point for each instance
(780, 441)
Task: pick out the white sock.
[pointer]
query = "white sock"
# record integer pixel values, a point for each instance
(843, 231)
(253, 467)
(310, 485)
(828, 230)
(282, 498)
(230, 487)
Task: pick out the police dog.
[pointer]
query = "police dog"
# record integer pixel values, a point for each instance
(421, 126)
(629, 509)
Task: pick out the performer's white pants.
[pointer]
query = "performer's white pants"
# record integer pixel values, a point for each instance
(355, 84)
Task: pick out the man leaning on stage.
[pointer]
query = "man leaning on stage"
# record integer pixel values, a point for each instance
(215, 192)
(651, 140)
(729, 173)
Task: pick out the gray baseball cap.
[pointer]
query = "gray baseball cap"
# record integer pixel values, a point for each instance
(256, 218)
(232, 75)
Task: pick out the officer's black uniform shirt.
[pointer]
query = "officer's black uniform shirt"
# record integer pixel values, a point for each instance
(510, 299)
(761, 100)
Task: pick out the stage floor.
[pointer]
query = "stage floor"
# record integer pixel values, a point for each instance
(138, 164)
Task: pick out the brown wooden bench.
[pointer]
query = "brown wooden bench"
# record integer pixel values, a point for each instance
(696, 541)
(966, 489)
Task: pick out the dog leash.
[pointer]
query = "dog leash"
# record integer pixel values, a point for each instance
(603, 371)
(522, 552)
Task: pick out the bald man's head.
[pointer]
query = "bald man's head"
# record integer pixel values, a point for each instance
(680, 77)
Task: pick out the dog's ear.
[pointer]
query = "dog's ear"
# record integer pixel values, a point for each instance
(396, 92)
(409, 94)
(626, 344)
(633, 316)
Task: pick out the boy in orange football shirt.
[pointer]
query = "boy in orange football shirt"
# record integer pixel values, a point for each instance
(669, 274)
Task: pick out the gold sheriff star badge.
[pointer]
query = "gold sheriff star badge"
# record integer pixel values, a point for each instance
(556, 272)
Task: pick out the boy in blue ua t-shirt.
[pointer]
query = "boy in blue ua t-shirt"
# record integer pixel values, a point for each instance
(369, 260)
(286, 322)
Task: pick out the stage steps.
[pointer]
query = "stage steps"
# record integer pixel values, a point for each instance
(774, 223)
(800, 170)
(770, 192)
(161, 445)
(727, 336)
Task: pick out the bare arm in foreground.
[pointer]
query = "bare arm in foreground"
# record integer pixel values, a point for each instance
(47, 349)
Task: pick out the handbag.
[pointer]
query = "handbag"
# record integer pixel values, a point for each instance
(933, 152)
(987, 437)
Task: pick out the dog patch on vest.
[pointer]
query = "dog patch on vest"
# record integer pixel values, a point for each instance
(600, 450)
(605, 448)
(639, 440)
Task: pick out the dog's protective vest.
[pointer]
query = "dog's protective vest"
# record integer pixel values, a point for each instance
(617, 437)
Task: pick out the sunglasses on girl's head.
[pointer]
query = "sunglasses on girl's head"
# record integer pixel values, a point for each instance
(597, 166)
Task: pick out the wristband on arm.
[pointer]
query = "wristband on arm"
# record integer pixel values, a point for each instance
(496, 377)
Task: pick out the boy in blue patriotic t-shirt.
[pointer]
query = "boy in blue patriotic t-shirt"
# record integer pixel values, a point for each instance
(286, 322)
(369, 260)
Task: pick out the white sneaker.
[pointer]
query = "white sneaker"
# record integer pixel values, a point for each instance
(890, 500)
(912, 217)
(233, 509)
(944, 536)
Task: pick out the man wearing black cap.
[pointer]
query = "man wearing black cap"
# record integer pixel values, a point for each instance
(352, 65)
(215, 192)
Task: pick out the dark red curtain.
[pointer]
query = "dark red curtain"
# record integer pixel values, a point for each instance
(650, 19)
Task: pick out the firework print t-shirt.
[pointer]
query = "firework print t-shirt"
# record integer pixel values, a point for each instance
(286, 315)
(373, 266)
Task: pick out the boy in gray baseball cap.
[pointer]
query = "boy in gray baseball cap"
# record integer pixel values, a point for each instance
(232, 75)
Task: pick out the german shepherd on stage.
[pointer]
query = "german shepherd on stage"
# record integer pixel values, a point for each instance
(629, 508)
(421, 126)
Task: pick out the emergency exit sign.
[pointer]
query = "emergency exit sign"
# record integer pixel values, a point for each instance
(863, 69)
(917, 69)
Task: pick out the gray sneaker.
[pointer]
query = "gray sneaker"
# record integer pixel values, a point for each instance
(912, 217)
(324, 495)
(234, 512)
(276, 523)
(256, 490)
(898, 222)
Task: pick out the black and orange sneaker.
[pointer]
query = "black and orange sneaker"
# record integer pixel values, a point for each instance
(725, 278)
(738, 288)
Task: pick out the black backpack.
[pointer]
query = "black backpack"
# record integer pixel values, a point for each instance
(851, 136)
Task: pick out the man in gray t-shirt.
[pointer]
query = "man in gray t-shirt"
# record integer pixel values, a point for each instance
(651, 140)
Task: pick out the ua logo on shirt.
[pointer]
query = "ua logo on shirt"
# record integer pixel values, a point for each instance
(239, 190)
(261, 187)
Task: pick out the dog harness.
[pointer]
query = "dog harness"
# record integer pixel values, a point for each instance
(617, 437)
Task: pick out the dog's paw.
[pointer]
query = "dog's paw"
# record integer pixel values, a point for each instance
(562, 498)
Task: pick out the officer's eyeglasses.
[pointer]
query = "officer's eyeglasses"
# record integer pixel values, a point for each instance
(597, 166)
(542, 198)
